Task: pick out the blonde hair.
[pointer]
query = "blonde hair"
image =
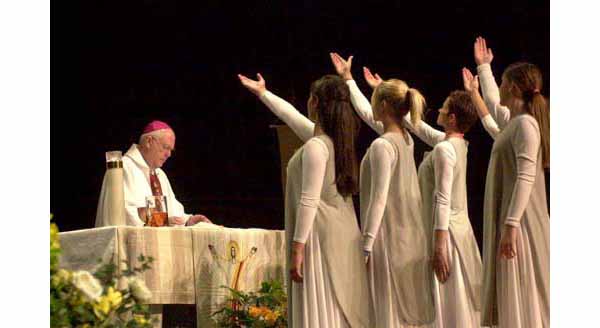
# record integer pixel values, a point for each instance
(401, 99)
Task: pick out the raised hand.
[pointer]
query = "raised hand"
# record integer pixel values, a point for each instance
(372, 80)
(482, 54)
(470, 82)
(256, 87)
(342, 67)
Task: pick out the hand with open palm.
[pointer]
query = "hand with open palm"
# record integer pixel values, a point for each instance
(342, 66)
(372, 80)
(482, 54)
(256, 87)
(470, 82)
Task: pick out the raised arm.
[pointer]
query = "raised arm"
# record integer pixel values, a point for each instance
(300, 124)
(491, 94)
(381, 158)
(424, 131)
(471, 84)
(361, 104)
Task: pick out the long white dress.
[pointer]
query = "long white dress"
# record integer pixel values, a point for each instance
(136, 186)
(456, 301)
(395, 235)
(516, 292)
(389, 304)
(442, 177)
(334, 291)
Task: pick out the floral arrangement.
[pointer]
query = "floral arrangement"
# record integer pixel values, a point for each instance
(265, 308)
(102, 299)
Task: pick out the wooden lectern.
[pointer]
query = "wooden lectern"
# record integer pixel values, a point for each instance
(288, 144)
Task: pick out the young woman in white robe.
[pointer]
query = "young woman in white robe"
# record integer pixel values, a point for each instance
(516, 289)
(442, 177)
(396, 240)
(328, 286)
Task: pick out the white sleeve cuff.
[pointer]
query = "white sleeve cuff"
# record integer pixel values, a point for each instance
(515, 222)
(484, 68)
(368, 242)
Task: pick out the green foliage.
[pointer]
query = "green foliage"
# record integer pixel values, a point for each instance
(264, 308)
(105, 298)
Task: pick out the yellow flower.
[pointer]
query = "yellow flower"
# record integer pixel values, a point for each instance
(108, 302)
(140, 319)
(54, 242)
(114, 297)
(102, 307)
(60, 277)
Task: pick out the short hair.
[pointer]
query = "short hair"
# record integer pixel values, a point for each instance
(156, 134)
(461, 105)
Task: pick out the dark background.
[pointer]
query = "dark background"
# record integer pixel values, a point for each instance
(118, 64)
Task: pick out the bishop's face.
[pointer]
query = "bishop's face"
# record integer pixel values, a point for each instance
(159, 149)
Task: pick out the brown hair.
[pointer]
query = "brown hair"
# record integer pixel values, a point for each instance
(338, 120)
(527, 80)
(401, 99)
(460, 104)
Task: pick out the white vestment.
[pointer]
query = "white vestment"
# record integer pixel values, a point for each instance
(136, 186)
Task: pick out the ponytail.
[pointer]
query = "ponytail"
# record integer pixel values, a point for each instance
(339, 121)
(527, 78)
(401, 100)
(416, 105)
(537, 106)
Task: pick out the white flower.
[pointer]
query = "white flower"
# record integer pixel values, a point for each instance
(87, 284)
(139, 290)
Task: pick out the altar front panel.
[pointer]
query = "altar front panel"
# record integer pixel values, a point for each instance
(191, 264)
(236, 258)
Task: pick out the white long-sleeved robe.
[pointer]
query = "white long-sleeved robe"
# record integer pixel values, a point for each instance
(516, 292)
(332, 295)
(136, 186)
(451, 299)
